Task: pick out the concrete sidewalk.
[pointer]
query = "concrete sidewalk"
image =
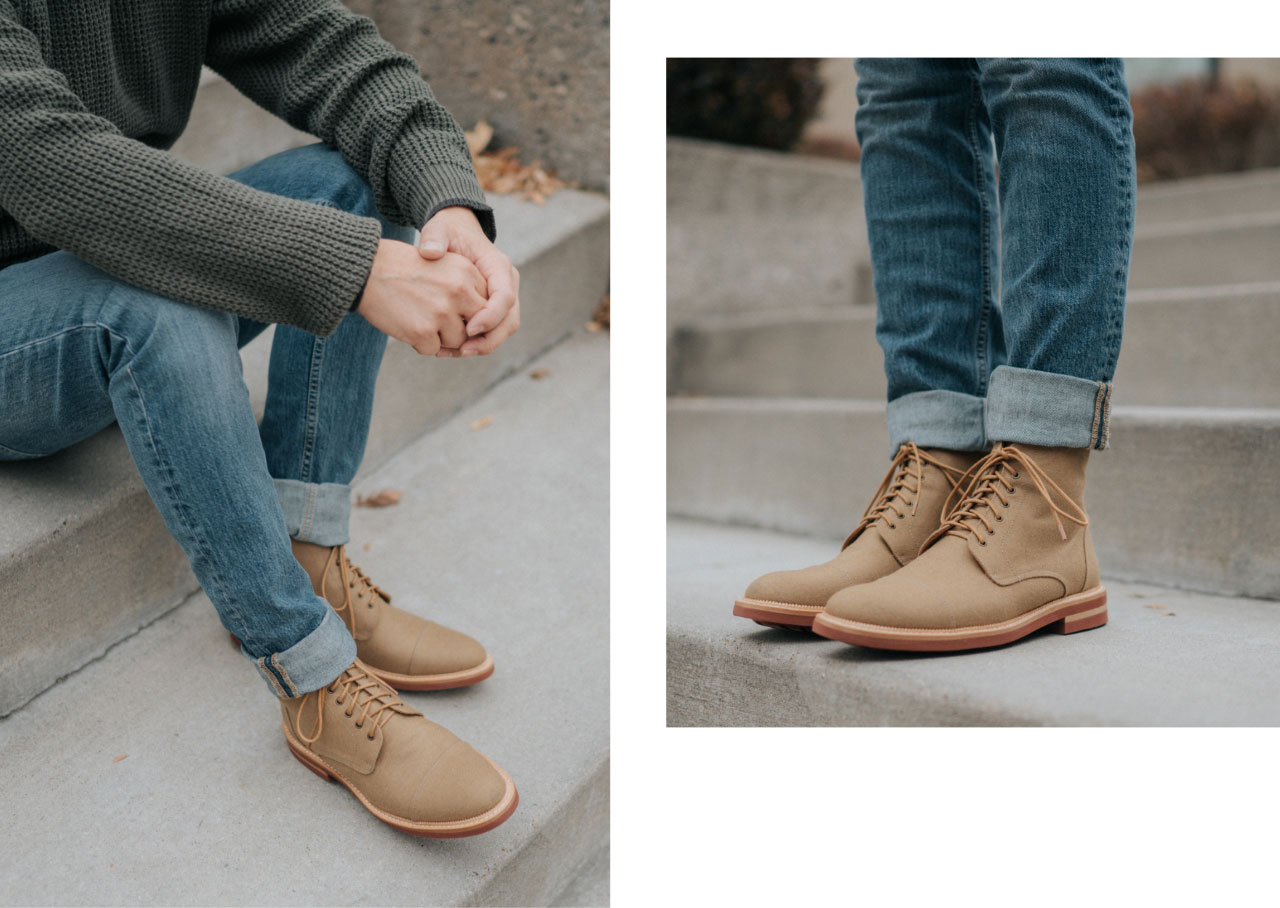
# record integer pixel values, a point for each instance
(483, 540)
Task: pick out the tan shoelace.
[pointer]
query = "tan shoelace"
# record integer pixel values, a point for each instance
(353, 579)
(380, 703)
(990, 480)
(907, 464)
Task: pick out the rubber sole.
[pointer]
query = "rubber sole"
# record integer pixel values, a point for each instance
(445, 681)
(1068, 615)
(454, 829)
(784, 616)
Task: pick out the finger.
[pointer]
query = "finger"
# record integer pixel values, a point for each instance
(427, 344)
(448, 353)
(452, 332)
(433, 242)
(487, 343)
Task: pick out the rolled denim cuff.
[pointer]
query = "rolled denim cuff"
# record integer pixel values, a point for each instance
(312, 662)
(937, 419)
(1044, 408)
(316, 512)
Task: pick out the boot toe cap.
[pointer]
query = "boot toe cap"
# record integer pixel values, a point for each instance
(440, 650)
(895, 601)
(793, 587)
(461, 785)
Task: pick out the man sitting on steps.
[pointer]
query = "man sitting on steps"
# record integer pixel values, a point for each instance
(129, 279)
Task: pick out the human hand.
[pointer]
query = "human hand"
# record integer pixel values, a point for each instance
(456, 230)
(426, 304)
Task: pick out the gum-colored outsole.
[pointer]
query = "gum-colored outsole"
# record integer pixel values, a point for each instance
(1068, 615)
(454, 829)
(447, 681)
(784, 616)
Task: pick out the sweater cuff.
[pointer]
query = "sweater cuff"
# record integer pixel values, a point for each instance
(422, 184)
(353, 242)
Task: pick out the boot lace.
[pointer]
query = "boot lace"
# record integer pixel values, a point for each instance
(990, 481)
(890, 500)
(377, 703)
(353, 580)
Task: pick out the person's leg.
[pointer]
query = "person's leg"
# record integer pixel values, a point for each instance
(1015, 553)
(929, 194)
(81, 349)
(1064, 138)
(930, 197)
(314, 430)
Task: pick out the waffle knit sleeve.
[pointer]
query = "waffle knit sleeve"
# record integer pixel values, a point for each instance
(327, 71)
(72, 180)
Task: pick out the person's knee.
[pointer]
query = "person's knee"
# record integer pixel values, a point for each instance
(148, 330)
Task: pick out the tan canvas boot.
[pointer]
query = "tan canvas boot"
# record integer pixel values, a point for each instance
(1013, 555)
(409, 772)
(903, 512)
(408, 652)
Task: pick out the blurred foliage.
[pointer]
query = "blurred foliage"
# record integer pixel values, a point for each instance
(1199, 127)
(761, 102)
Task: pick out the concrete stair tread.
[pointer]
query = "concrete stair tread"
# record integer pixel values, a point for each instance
(73, 507)
(479, 541)
(1210, 662)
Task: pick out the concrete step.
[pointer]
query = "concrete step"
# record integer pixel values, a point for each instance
(1166, 657)
(1220, 195)
(208, 773)
(70, 509)
(1182, 347)
(1185, 497)
(751, 230)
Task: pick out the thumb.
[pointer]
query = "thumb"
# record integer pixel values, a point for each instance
(433, 242)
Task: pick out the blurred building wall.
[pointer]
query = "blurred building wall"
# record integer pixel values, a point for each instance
(538, 72)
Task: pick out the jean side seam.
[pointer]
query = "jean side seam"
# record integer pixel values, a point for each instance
(312, 425)
(981, 353)
(1115, 326)
(284, 675)
(270, 675)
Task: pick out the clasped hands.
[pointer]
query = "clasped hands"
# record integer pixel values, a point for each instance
(454, 295)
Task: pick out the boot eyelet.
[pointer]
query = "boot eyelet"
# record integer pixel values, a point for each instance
(982, 542)
(999, 517)
(1016, 474)
(359, 725)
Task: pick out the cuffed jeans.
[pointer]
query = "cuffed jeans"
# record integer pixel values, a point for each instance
(80, 349)
(1000, 303)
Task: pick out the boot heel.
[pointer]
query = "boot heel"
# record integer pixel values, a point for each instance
(1087, 615)
(318, 770)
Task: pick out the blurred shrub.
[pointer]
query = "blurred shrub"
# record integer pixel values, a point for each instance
(1199, 127)
(765, 103)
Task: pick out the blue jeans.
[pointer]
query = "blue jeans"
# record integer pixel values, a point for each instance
(80, 349)
(1000, 300)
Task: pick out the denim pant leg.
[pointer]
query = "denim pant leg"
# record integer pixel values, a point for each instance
(320, 389)
(1064, 138)
(930, 196)
(79, 349)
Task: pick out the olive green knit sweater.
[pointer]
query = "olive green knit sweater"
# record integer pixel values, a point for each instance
(92, 93)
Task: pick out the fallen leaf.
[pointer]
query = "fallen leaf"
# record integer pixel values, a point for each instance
(1153, 605)
(383, 499)
(539, 374)
(478, 139)
(1168, 614)
(501, 171)
(601, 315)
(481, 423)
(366, 546)
(594, 327)
(119, 758)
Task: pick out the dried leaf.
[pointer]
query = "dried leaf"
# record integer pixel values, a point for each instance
(382, 499)
(478, 139)
(594, 327)
(366, 546)
(501, 172)
(119, 758)
(539, 374)
(601, 315)
(481, 423)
